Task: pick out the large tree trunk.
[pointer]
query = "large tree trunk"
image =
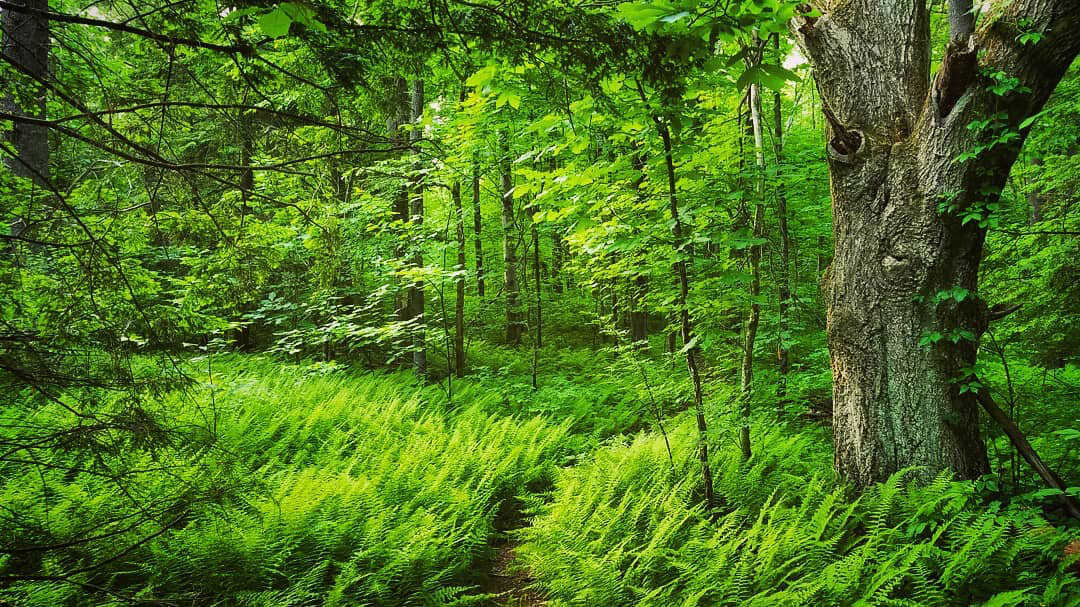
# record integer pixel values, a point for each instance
(515, 320)
(893, 144)
(26, 45)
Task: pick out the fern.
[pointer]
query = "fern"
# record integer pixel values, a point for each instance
(788, 535)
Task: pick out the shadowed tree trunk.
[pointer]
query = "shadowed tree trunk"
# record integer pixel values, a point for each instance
(557, 254)
(535, 233)
(416, 218)
(694, 358)
(639, 287)
(894, 139)
(26, 45)
(478, 231)
(400, 110)
(245, 334)
(783, 276)
(515, 320)
(639, 316)
(459, 304)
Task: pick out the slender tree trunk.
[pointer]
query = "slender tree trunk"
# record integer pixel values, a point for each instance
(416, 208)
(247, 176)
(26, 45)
(459, 304)
(538, 341)
(746, 377)
(694, 356)
(399, 115)
(961, 20)
(245, 335)
(784, 277)
(898, 189)
(1035, 199)
(556, 261)
(639, 316)
(511, 287)
(478, 225)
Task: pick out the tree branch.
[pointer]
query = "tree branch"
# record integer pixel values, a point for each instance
(243, 49)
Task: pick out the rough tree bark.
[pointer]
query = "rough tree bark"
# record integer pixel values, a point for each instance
(515, 320)
(893, 143)
(26, 45)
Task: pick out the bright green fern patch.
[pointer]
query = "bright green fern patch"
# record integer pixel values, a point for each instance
(325, 490)
(623, 529)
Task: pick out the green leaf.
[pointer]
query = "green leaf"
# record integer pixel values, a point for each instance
(640, 15)
(748, 77)
(780, 72)
(1031, 119)
(483, 76)
(275, 24)
(676, 17)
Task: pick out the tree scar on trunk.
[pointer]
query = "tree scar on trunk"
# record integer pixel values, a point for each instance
(959, 70)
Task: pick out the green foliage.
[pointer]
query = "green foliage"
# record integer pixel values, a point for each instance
(625, 528)
(249, 200)
(312, 487)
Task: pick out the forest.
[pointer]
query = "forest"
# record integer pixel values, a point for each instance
(522, 303)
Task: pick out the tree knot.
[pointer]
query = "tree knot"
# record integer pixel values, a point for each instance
(845, 143)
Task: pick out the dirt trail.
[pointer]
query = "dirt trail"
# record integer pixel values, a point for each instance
(507, 581)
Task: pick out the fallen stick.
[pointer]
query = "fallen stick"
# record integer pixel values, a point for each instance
(1027, 452)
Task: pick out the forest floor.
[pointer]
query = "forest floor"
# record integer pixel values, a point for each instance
(507, 581)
